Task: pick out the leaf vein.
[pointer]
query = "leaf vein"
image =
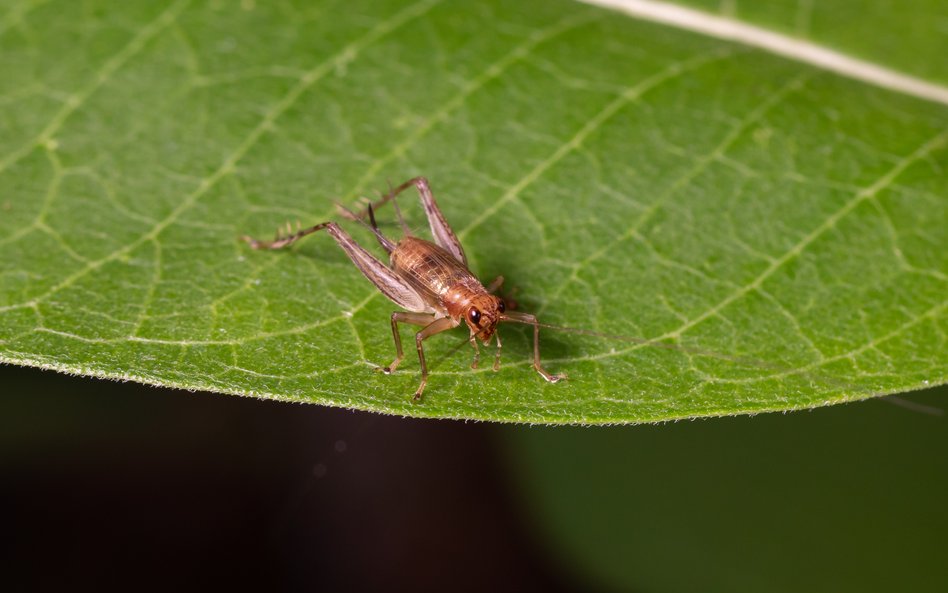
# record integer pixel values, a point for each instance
(345, 55)
(830, 222)
(493, 71)
(76, 100)
(700, 166)
(630, 96)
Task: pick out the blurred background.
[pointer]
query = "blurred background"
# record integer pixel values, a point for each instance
(112, 486)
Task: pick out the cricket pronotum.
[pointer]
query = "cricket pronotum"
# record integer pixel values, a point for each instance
(430, 280)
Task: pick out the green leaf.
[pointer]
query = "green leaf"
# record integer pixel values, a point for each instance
(780, 229)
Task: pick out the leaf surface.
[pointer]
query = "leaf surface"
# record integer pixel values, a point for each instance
(780, 229)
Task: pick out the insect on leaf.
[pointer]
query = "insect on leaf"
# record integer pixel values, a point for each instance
(781, 225)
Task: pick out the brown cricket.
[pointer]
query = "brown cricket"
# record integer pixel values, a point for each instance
(430, 280)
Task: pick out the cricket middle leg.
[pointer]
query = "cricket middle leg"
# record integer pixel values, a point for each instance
(423, 319)
(435, 327)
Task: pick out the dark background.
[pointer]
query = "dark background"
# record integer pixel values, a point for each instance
(116, 486)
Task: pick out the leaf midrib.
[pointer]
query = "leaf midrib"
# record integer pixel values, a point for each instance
(771, 41)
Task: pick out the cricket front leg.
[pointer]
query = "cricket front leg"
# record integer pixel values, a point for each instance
(423, 319)
(531, 320)
(435, 327)
(477, 352)
(497, 355)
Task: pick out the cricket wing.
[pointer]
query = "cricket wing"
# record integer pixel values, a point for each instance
(393, 287)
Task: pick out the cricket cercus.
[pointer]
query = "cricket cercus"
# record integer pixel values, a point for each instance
(430, 280)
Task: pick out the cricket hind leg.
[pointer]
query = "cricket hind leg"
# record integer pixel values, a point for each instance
(384, 279)
(386, 244)
(284, 239)
(440, 229)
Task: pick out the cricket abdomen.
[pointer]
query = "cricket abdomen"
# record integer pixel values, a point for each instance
(443, 282)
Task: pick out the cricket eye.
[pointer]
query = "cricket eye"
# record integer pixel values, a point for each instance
(501, 307)
(474, 315)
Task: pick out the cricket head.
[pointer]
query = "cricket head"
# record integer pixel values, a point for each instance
(483, 314)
